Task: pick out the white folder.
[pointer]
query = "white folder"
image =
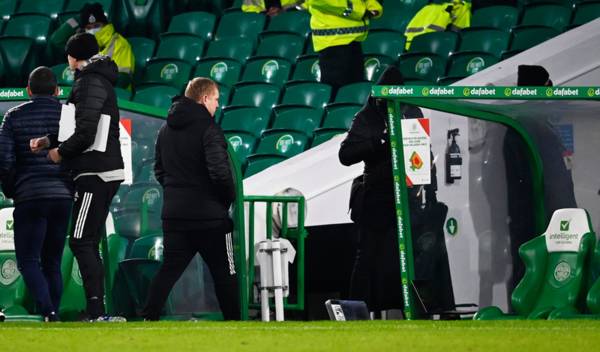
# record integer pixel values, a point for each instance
(66, 128)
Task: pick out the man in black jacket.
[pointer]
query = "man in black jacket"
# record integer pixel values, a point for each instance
(376, 273)
(42, 192)
(97, 174)
(192, 165)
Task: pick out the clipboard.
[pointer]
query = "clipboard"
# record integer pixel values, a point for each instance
(66, 128)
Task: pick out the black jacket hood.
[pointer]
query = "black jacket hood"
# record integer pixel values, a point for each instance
(390, 77)
(185, 112)
(102, 65)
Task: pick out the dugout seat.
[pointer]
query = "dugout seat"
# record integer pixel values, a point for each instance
(424, 67)
(439, 43)
(18, 58)
(393, 19)
(586, 12)
(259, 163)
(263, 95)
(495, 17)
(296, 22)
(240, 25)
(285, 143)
(242, 143)
(556, 269)
(7, 8)
(527, 37)
(299, 119)
(323, 135)
(143, 49)
(465, 64)
(48, 7)
(490, 41)
(312, 94)
(171, 72)
(385, 43)
(253, 120)
(281, 45)
(158, 96)
(140, 18)
(549, 15)
(28, 25)
(230, 48)
(353, 93)
(375, 65)
(76, 5)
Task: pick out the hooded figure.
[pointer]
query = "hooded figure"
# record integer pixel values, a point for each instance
(376, 273)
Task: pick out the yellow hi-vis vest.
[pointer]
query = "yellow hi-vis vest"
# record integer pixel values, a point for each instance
(340, 22)
(113, 45)
(259, 5)
(436, 18)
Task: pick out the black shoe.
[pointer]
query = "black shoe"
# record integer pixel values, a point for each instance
(51, 318)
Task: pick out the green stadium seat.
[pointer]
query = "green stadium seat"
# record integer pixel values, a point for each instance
(393, 19)
(157, 96)
(267, 69)
(231, 48)
(491, 41)
(548, 15)
(140, 18)
(375, 65)
(385, 43)
(439, 43)
(138, 212)
(307, 69)
(251, 120)
(186, 47)
(34, 26)
(309, 48)
(48, 7)
(297, 22)
(175, 73)
(7, 9)
(555, 270)
(5, 202)
(223, 71)
(258, 163)
(144, 172)
(143, 50)
(354, 93)
(281, 45)
(323, 135)
(224, 95)
(240, 25)
(64, 75)
(262, 95)
(312, 94)
(123, 93)
(299, 119)
(201, 24)
(243, 144)
(18, 59)
(340, 117)
(462, 65)
(425, 67)
(495, 17)
(147, 247)
(524, 38)
(586, 12)
(284, 143)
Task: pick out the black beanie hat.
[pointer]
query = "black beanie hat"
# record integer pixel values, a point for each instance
(82, 46)
(532, 75)
(92, 13)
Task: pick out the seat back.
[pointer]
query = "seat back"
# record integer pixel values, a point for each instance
(375, 65)
(549, 15)
(240, 25)
(140, 18)
(300, 119)
(440, 43)
(307, 69)
(172, 72)
(315, 95)
(64, 75)
(223, 71)
(263, 95)
(48, 7)
(158, 96)
(556, 265)
(586, 12)
(491, 41)
(34, 26)
(252, 120)
(269, 70)
(143, 50)
(242, 143)
(297, 22)
(201, 24)
(386, 43)
(465, 64)
(426, 67)
(186, 47)
(282, 45)
(287, 143)
(230, 48)
(354, 93)
(497, 17)
(527, 37)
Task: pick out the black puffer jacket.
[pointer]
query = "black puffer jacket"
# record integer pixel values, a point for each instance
(368, 141)
(35, 177)
(93, 94)
(192, 165)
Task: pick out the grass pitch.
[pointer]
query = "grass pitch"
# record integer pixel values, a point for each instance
(403, 336)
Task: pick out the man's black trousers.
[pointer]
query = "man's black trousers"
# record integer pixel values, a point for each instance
(216, 248)
(92, 200)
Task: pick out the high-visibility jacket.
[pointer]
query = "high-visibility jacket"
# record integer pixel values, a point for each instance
(340, 22)
(259, 5)
(113, 45)
(454, 15)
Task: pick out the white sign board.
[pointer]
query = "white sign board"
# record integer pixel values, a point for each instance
(417, 157)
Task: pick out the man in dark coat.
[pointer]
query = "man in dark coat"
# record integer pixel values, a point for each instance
(42, 191)
(97, 174)
(193, 167)
(376, 274)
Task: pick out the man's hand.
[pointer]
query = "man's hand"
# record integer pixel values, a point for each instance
(54, 155)
(39, 144)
